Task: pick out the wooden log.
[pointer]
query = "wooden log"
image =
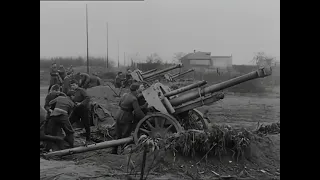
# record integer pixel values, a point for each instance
(92, 147)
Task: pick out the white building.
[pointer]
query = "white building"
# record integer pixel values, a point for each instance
(204, 62)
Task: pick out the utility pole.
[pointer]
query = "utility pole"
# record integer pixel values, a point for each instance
(87, 38)
(124, 58)
(118, 55)
(107, 48)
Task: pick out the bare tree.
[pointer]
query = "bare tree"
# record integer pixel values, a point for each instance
(177, 57)
(154, 58)
(262, 59)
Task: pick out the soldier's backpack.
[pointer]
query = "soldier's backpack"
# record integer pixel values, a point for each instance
(100, 115)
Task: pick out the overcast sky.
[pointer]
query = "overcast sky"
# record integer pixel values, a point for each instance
(222, 27)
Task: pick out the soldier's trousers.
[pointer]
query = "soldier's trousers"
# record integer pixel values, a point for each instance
(45, 137)
(62, 121)
(82, 114)
(123, 127)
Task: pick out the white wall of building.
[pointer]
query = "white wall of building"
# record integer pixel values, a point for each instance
(222, 62)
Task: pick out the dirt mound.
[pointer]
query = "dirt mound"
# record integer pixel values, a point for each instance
(106, 96)
(265, 153)
(198, 154)
(102, 93)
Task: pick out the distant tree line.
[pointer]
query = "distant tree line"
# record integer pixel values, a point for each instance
(78, 61)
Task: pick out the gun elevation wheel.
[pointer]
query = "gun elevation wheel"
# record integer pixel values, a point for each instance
(193, 119)
(156, 125)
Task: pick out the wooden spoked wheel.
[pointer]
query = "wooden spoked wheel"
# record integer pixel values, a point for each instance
(156, 125)
(196, 121)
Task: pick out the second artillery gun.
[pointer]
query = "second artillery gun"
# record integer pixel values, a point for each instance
(174, 77)
(151, 75)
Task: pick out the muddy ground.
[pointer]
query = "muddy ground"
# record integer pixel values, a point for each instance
(262, 161)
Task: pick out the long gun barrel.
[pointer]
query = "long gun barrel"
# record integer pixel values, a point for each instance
(260, 73)
(161, 71)
(186, 88)
(147, 72)
(92, 147)
(181, 74)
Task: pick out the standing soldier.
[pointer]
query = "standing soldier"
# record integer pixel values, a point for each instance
(118, 80)
(82, 109)
(128, 77)
(62, 72)
(128, 74)
(66, 83)
(124, 117)
(54, 76)
(70, 70)
(59, 118)
(142, 102)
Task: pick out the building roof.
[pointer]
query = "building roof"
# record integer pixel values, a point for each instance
(198, 56)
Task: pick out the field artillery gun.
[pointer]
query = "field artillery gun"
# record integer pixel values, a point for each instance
(151, 75)
(174, 110)
(174, 77)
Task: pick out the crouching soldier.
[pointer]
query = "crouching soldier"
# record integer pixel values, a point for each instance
(43, 135)
(82, 109)
(59, 118)
(54, 93)
(84, 80)
(124, 117)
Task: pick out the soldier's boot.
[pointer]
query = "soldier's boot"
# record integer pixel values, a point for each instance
(69, 139)
(114, 150)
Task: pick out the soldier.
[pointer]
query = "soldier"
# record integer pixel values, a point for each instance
(55, 78)
(70, 70)
(87, 81)
(84, 80)
(142, 102)
(95, 81)
(128, 78)
(66, 83)
(82, 110)
(118, 80)
(62, 72)
(54, 93)
(124, 117)
(128, 74)
(43, 135)
(59, 118)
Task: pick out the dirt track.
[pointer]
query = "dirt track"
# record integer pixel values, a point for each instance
(236, 110)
